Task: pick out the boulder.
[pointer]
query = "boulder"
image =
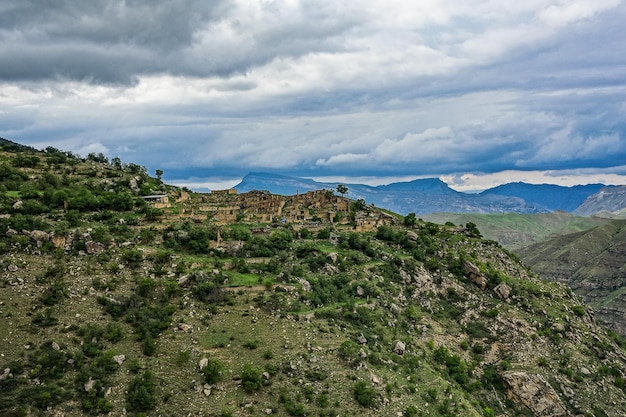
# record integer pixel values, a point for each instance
(203, 363)
(503, 291)
(411, 235)
(474, 274)
(119, 359)
(12, 268)
(399, 348)
(94, 248)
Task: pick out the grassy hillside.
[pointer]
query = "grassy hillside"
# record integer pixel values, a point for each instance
(114, 306)
(514, 231)
(592, 263)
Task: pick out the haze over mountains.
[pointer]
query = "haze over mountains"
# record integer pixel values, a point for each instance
(432, 195)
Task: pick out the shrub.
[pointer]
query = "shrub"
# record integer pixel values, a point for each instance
(251, 378)
(213, 371)
(364, 394)
(141, 392)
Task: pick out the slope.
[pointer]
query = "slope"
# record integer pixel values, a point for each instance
(151, 306)
(592, 263)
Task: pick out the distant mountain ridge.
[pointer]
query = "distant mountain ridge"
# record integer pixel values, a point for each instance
(431, 195)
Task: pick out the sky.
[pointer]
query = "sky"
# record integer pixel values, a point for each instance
(477, 93)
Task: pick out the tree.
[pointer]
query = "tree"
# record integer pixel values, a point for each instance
(159, 174)
(410, 220)
(342, 189)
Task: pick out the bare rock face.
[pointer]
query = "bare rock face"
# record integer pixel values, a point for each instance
(411, 235)
(474, 274)
(535, 393)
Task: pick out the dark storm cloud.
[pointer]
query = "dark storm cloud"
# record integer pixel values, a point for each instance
(385, 88)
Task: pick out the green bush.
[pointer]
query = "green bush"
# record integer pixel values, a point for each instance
(251, 378)
(364, 394)
(141, 395)
(213, 371)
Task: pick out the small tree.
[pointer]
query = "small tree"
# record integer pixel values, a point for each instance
(410, 220)
(342, 189)
(159, 174)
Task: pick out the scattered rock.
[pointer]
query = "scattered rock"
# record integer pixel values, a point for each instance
(206, 390)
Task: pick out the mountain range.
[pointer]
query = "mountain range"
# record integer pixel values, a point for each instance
(431, 195)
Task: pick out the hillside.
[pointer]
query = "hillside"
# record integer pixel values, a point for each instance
(515, 230)
(121, 295)
(591, 262)
(611, 200)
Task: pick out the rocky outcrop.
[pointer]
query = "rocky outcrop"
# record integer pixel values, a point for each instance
(534, 392)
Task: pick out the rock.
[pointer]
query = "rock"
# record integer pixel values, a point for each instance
(11, 232)
(376, 379)
(18, 204)
(40, 236)
(360, 291)
(5, 374)
(395, 309)
(184, 327)
(534, 392)
(183, 281)
(203, 363)
(89, 384)
(55, 346)
(585, 371)
(333, 257)
(306, 285)
(474, 274)
(268, 411)
(331, 269)
(12, 268)
(94, 248)
(362, 353)
(399, 348)
(411, 235)
(503, 291)
(266, 375)
(361, 339)
(119, 359)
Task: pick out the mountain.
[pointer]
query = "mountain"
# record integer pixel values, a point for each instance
(549, 196)
(122, 295)
(419, 196)
(591, 262)
(608, 200)
(516, 230)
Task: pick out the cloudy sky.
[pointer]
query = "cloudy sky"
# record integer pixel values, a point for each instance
(474, 92)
